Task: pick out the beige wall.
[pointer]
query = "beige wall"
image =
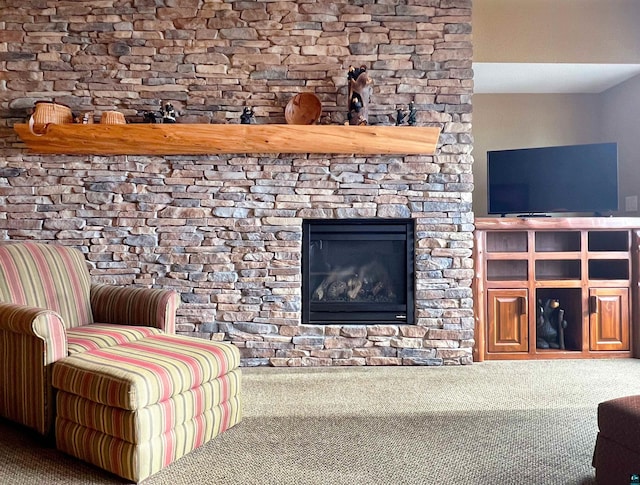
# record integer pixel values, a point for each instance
(593, 31)
(620, 122)
(505, 121)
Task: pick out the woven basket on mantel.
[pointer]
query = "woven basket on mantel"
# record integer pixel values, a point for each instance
(47, 112)
(112, 118)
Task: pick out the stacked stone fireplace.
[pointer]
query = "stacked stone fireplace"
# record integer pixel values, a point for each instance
(228, 231)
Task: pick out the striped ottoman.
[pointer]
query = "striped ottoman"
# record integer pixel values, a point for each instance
(134, 408)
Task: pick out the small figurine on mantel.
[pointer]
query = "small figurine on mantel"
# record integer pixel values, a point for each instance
(550, 325)
(169, 114)
(400, 116)
(411, 121)
(246, 118)
(360, 88)
(409, 116)
(152, 117)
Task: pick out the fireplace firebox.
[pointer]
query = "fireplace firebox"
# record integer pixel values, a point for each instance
(358, 271)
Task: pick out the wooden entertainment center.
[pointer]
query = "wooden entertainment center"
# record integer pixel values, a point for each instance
(588, 265)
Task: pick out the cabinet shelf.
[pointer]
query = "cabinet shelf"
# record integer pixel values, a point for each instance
(608, 255)
(608, 241)
(557, 241)
(556, 255)
(205, 139)
(558, 283)
(608, 269)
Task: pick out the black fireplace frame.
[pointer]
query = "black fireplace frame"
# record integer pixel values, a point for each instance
(359, 313)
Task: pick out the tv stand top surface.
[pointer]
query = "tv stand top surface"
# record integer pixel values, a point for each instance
(531, 215)
(551, 223)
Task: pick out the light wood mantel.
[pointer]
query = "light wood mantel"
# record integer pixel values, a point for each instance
(204, 139)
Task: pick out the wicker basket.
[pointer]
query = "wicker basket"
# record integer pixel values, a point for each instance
(112, 118)
(303, 109)
(45, 113)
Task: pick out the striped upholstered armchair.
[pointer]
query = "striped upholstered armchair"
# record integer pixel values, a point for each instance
(49, 309)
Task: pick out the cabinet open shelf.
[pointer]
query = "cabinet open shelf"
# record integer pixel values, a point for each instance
(570, 301)
(205, 139)
(557, 241)
(608, 269)
(510, 242)
(505, 270)
(608, 241)
(557, 269)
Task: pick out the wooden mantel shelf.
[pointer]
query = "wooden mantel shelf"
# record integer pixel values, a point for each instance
(199, 139)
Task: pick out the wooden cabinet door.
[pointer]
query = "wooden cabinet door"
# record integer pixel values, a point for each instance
(609, 319)
(507, 319)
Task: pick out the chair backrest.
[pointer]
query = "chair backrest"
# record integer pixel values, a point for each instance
(46, 276)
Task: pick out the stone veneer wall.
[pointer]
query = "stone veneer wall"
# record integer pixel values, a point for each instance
(225, 231)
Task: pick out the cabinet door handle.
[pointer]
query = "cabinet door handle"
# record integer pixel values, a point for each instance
(523, 305)
(593, 304)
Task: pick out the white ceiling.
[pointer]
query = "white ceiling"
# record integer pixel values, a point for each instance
(507, 78)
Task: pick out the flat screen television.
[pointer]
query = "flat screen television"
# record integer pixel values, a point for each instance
(573, 178)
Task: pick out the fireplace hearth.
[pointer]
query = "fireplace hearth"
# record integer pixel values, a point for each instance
(358, 271)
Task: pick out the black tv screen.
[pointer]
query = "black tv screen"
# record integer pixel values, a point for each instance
(574, 178)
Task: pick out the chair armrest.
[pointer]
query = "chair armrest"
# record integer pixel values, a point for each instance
(31, 341)
(41, 324)
(135, 306)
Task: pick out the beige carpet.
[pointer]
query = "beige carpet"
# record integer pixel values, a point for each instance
(530, 422)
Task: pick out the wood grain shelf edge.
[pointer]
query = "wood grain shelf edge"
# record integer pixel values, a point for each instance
(205, 139)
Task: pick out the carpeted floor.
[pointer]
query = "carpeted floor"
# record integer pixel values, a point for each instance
(522, 422)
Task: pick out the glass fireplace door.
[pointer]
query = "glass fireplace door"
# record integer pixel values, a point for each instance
(358, 271)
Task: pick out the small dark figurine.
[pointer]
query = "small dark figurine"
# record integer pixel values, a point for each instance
(412, 114)
(246, 118)
(152, 117)
(168, 114)
(550, 325)
(409, 116)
